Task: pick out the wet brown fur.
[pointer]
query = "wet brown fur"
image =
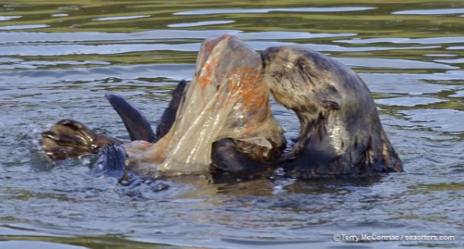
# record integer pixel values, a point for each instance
(69, 138)
(341, 133)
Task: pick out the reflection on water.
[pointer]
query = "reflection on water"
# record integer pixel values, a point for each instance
(266, 10)
(430, 12)
(57, 60)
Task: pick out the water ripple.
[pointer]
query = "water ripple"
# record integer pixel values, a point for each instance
(408, 101)
(451, 61)
(393, 63)
(430, 12)
(183, 71)
(60, 50)
(288, 35)
(197, 24)
(7, 18)
(117, 18)
(34, 37)
(428, 40)
(264, 10)
(38, 244)
(60, 15)
(459, 94)
(32, 26)
(443, 120)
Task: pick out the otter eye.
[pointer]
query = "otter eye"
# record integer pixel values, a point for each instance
(301, 64)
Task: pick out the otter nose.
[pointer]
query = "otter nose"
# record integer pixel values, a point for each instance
(269, 54)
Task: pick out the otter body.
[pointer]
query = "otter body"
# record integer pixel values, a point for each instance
(340, 133)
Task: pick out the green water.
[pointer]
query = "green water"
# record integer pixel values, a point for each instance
(59, 58)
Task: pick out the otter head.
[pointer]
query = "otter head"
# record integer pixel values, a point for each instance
(301, 80)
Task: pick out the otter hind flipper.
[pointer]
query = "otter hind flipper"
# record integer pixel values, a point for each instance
(169, 115)
(135, 122)
(226, 157)
(111, 162)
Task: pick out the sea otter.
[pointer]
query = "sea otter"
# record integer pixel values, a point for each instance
(222, 118)
(340, 133)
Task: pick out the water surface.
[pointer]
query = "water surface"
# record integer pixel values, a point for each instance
(58, 59)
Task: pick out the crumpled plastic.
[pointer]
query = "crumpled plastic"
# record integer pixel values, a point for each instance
(227, 98)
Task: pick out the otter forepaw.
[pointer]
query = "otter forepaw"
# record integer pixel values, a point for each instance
(226, 157)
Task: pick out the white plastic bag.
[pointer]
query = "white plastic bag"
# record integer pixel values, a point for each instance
(226, 99)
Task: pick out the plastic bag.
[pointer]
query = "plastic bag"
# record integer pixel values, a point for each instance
(227, 98)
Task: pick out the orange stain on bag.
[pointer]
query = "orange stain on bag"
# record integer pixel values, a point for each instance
(254, 98)
(206, 74)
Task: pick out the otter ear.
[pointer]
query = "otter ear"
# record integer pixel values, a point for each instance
(330, 104)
